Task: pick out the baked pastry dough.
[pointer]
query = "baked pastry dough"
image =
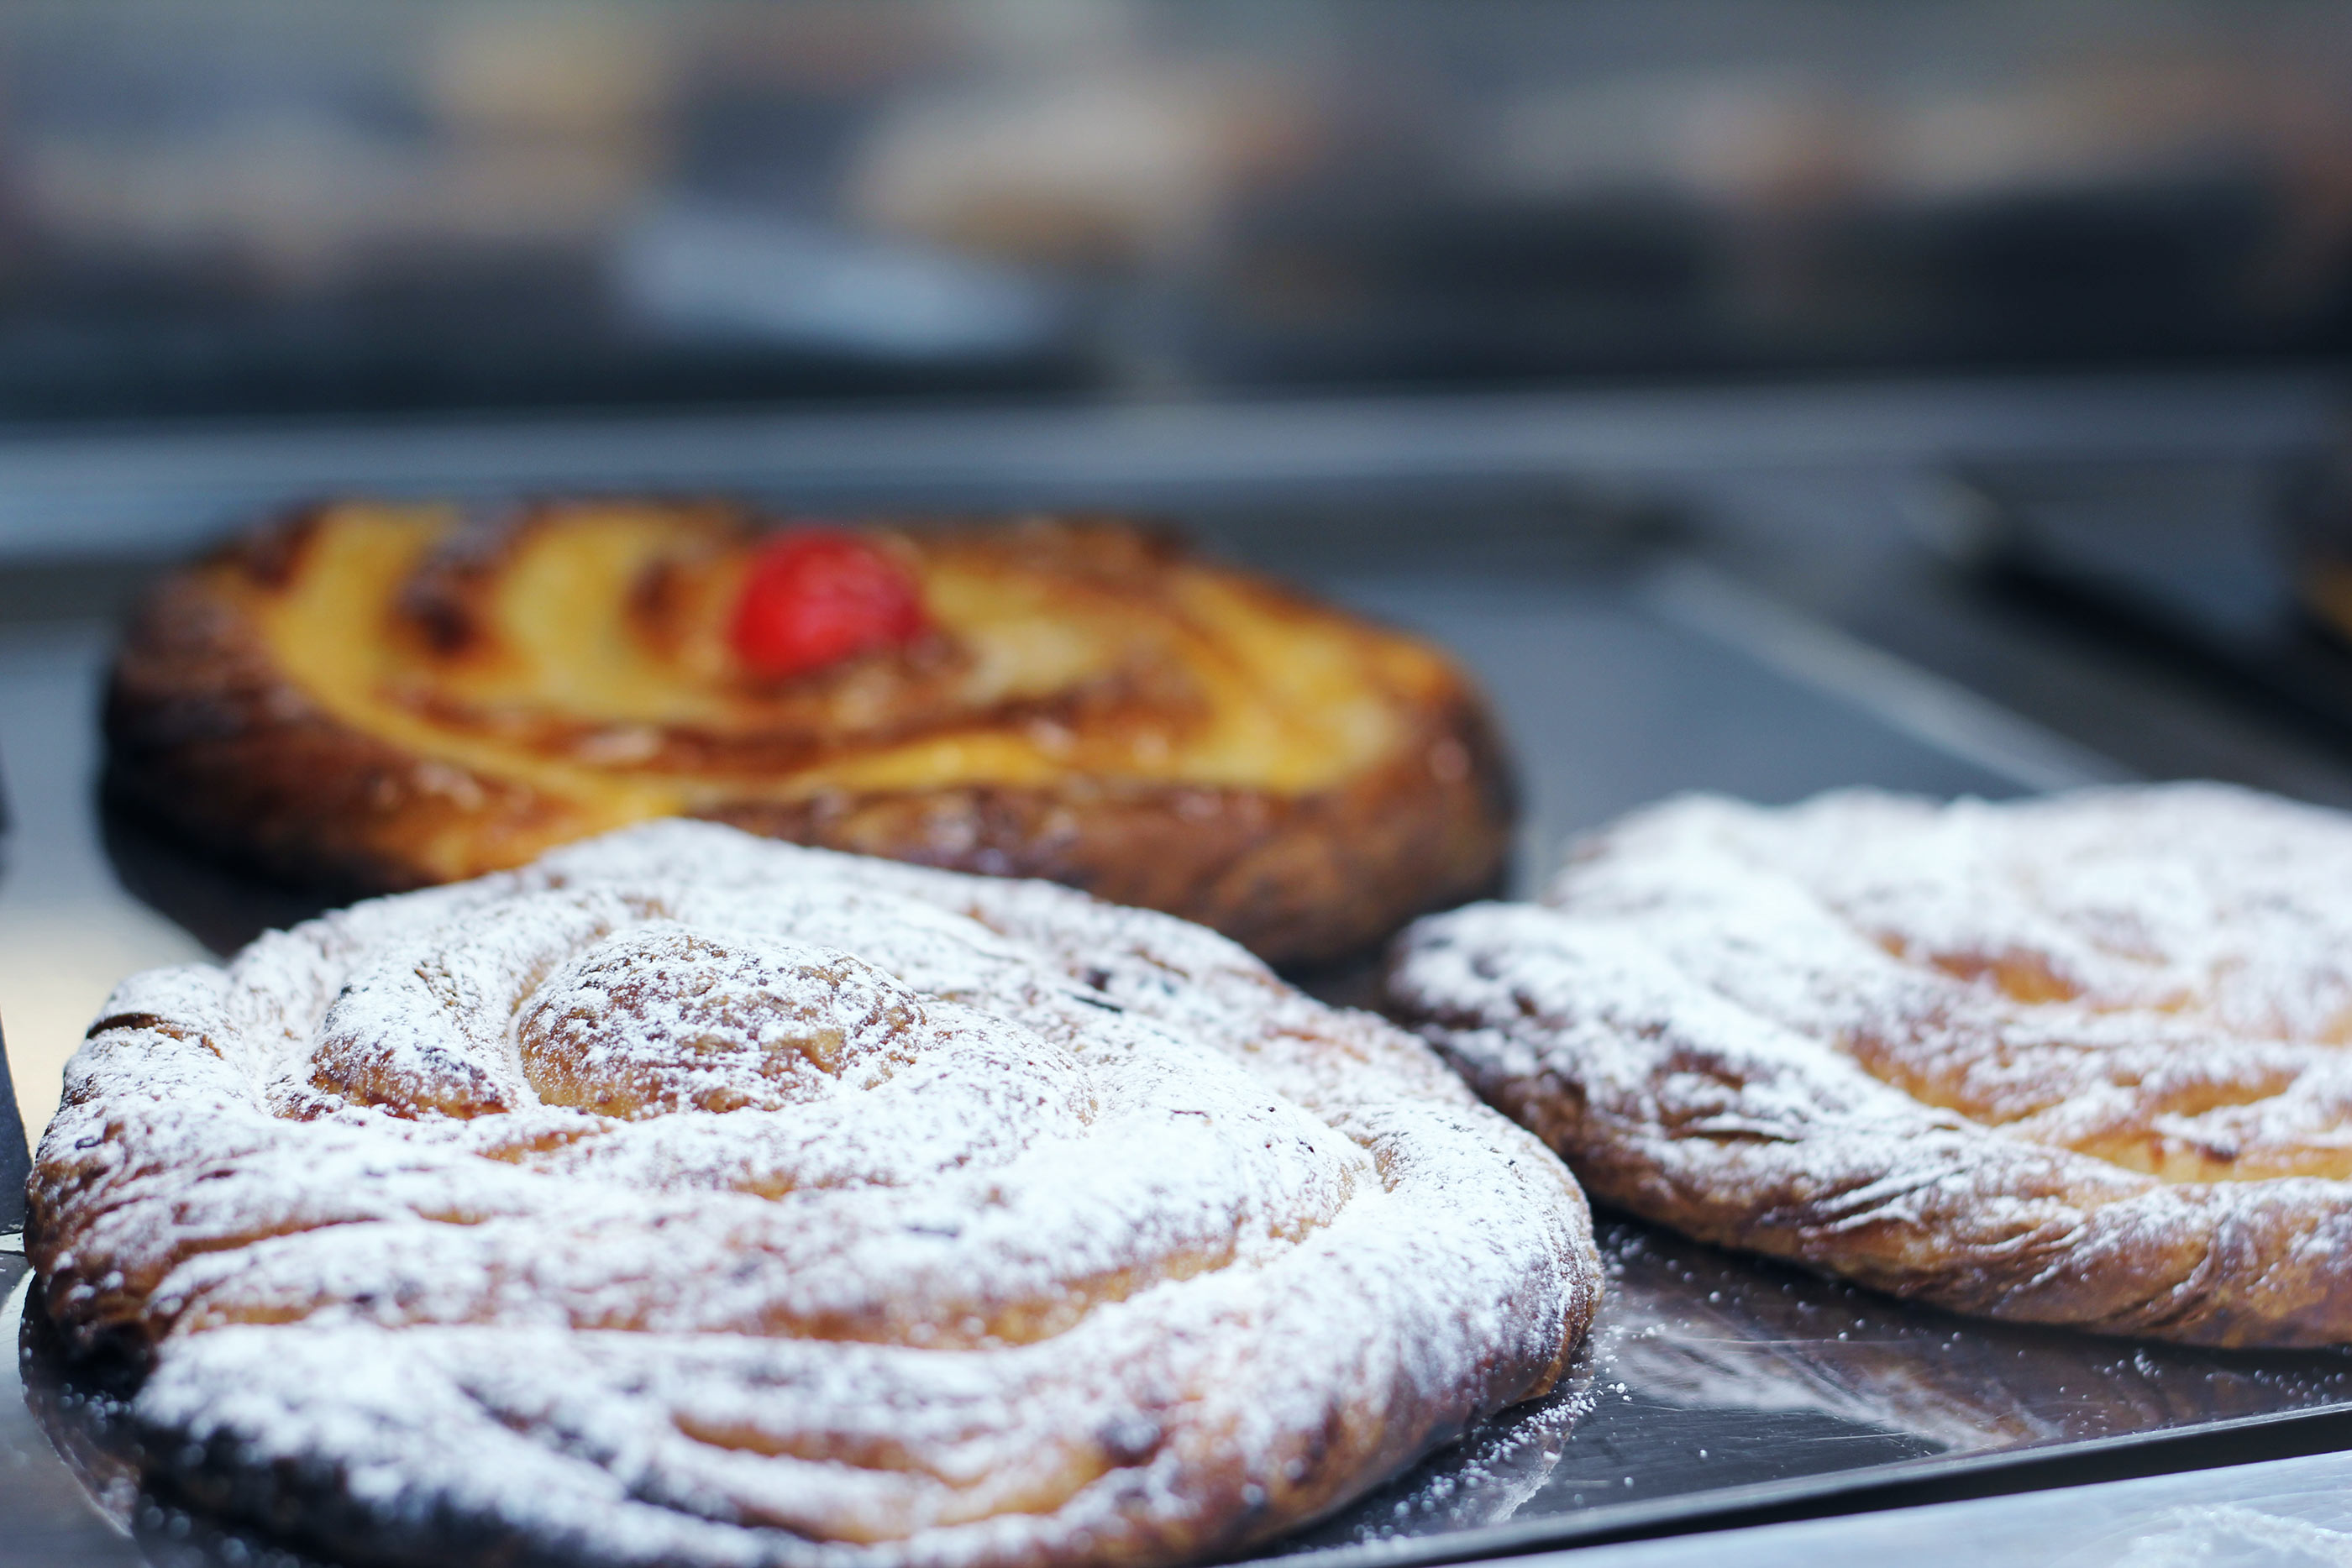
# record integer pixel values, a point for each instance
(373, 698)
(2079, 1060)
(689, 1198)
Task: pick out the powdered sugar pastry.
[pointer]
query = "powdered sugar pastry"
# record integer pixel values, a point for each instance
(2073, 1059)
(689, 1197)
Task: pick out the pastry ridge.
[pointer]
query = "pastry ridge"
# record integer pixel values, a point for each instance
(690, 1197)
(2077, 1059)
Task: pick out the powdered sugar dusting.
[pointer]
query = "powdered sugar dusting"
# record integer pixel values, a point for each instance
(2075, 1060)
(693, 1198)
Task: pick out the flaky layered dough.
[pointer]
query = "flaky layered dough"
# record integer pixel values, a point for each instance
(689, 1198)
(2079, 1060)
(375, 697)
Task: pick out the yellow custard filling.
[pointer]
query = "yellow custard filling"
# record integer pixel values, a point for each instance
(1278, 696)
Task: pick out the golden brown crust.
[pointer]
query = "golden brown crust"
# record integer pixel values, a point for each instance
(210, 733)
(2076, 1060)
(207, 735)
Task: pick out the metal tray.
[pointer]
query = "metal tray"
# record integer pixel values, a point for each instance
(1716, 1389)
(2191, 559)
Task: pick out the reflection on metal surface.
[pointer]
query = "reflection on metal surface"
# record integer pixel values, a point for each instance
(1713, 1376)
(2280, 1513)
(1701, 1329)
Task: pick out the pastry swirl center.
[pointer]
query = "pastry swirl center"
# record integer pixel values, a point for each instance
(662, 1019)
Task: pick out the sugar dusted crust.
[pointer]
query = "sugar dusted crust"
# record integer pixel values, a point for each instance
(2079, 1060)
(689, 1198)
(372, 698)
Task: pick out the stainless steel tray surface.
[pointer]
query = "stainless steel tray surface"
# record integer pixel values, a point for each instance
(2195, 559)
(1714, 1387)
(1715, 1380)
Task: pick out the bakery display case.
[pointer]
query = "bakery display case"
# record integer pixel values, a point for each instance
(1568, 409)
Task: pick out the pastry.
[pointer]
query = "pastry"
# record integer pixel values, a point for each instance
(2078, 1060)
(376, 698)
(688, 1198)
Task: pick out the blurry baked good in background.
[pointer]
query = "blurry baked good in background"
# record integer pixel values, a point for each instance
(477, 205)
(374, 697)
(690, 1198)
(2079, 1060)
(1103, 170)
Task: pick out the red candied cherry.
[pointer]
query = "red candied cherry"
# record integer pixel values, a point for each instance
(815, 596)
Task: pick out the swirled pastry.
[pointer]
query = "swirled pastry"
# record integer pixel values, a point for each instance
(689, 1198)
(373, 698)
(2079, 1060)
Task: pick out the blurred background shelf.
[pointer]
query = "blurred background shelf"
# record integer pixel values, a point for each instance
(259, 206)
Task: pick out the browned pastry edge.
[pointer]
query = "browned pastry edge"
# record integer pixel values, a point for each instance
(1965, 1223)
(207, 736)
(1662, 1109)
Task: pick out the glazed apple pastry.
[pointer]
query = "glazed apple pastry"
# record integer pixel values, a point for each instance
(369, 698)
